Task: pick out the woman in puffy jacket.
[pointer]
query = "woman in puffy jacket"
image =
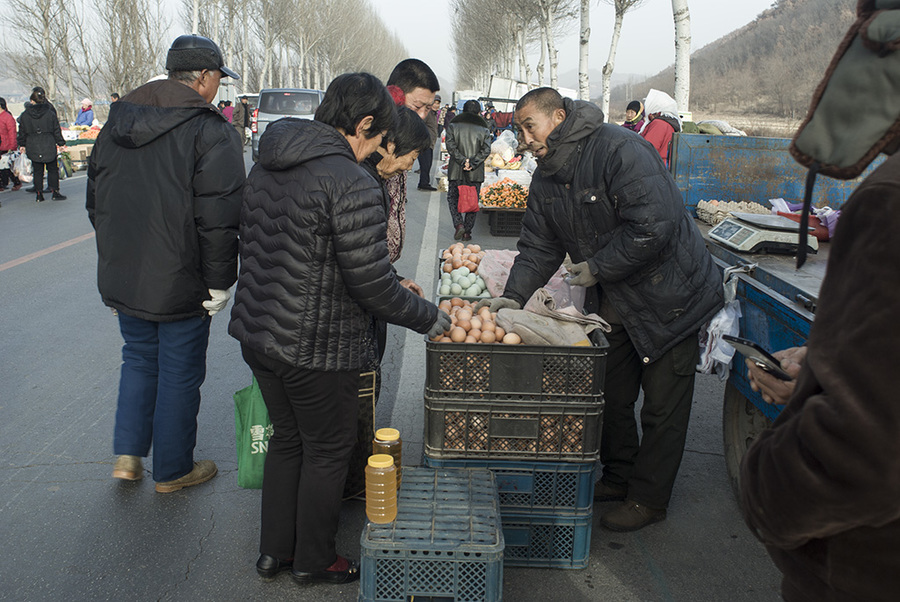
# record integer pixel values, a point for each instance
(314, 271)
(39, 138)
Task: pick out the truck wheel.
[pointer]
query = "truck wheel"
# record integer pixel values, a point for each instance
(742, 422)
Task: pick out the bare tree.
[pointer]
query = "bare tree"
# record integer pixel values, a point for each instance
(622, 7)
(131, 47)
(34, 49)
(584, 82)
(682, 54)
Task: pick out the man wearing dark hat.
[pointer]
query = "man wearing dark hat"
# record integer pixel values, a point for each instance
(164, 195)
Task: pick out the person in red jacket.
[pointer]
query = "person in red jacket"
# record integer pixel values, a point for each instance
(662, 112)
(7, 144)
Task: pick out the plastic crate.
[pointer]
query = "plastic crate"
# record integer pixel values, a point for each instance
(557, 487)
(505, 222)
(559, 431)
(516, 372)
(447, 540)
(544, 540)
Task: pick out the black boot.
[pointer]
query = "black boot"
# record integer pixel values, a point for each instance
(40, 197)
(58, 197)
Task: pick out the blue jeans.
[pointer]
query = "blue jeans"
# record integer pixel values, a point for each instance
(163, 366)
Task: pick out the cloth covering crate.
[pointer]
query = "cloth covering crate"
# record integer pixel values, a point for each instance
(447, 540)
(561, 488)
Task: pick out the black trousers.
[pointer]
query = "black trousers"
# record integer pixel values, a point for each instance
(466, 219)
(426, 158)
(647, 467)
(52, 175)
(314, 416)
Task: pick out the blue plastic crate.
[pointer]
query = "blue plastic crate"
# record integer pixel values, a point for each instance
(543, 540)
(446, 541)
(557, 487)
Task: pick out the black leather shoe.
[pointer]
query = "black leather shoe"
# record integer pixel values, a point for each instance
(326, 576)
(428, 187)
(269, 566)
(58, 197)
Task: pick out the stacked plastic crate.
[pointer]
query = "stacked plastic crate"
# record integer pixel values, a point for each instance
(532, 415)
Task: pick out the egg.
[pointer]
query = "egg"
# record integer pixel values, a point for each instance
(465, 313)
(500, 333)
(476, 322)
(457, 334)
(511, 338)
(456, 263)
(462, 323)
(488, 326)
(475, 332)
(447, 268)
(457, 302)
(485, 313)
(471, 339)
(488, 336)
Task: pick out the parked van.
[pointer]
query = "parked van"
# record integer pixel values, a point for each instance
(276, 103)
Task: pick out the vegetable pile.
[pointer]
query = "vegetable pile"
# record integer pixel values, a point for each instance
(505, 194)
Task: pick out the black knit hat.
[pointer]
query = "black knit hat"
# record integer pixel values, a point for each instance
(193, 53)
(634, 105)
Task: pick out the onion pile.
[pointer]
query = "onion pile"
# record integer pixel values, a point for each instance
(473, 326)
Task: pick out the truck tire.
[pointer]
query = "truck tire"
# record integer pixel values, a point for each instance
(742, 422)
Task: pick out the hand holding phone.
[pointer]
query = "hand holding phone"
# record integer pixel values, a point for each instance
(758, 356)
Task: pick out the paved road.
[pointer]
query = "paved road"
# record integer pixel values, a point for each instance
(70, 532)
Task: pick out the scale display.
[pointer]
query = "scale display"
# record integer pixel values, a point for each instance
(754, 233)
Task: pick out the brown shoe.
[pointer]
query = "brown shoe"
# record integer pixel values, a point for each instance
(128, 468)
(631, 516)
(203, 471)
(609, 493)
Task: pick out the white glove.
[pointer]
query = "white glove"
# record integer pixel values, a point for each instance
(217, 302)
(498, 303)
(581, 275)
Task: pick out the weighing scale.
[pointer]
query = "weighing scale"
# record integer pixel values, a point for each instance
(754, 233)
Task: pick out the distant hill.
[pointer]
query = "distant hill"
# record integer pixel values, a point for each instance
(769, 67)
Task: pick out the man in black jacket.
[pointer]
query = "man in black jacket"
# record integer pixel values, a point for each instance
(164, 194)
(469, 144)
(603, 196)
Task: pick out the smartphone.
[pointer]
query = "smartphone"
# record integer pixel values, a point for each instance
(758, 356)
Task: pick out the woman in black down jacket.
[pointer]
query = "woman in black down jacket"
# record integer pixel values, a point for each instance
(314, 270)
(39, 137)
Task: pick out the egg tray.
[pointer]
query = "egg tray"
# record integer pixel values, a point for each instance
(557, 431)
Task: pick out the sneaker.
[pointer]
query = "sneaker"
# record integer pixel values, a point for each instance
(58, 197)
(128, 468)
(631, 516)
(203, 471)
(609, 493)
(39, 198)
(15, 188)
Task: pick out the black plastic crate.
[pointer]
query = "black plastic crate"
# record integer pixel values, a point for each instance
(558, 431)
(481, 371)
(505, 222)
(446, 542)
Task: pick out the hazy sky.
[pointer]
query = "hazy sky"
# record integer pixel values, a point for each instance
(646, 46)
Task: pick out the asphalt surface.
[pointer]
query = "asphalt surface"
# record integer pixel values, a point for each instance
(71, 532)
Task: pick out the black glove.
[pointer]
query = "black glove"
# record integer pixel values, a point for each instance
(440, 326)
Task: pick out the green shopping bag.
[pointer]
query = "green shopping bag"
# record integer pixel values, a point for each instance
(252, 431)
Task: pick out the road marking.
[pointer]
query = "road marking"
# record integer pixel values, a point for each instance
(413, 342)
(47, 251)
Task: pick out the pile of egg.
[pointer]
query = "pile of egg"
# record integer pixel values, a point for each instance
(463, 282)
(473, 326)
(457, 256)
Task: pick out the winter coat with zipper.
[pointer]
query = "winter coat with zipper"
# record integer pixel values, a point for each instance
(7, 132)
(164, 195)
(821, 488)
(314, 257)
(602, 195)
(468, 137)
(39, 132)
